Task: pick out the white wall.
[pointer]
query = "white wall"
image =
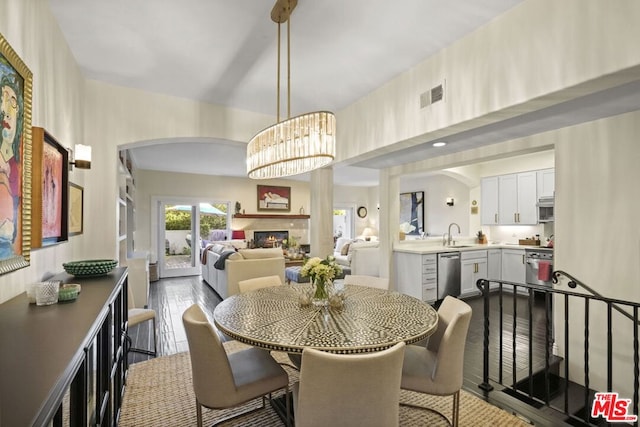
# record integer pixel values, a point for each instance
(438, 215)
(537, 54)
(597, 236)
(355, 197)
(58, 104)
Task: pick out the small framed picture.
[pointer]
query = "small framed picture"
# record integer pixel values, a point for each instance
(274, 198)
(54, 182)
(76, 209)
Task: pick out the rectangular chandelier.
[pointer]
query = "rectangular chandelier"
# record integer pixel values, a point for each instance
(299, 144)
(294, 146)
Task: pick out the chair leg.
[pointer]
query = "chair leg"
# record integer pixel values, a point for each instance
(142, 350)
(454, 418)
(199, 413)
(288, 405)
(456, 409)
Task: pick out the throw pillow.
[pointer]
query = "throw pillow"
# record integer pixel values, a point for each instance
(345, 249)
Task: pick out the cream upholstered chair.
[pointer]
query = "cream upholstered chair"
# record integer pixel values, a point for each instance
(349, 389)
(371, 281)
(437, 367)
(136, 316)
(258, 283)
(222, 380)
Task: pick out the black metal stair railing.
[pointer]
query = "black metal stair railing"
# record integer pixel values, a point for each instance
(536, 379)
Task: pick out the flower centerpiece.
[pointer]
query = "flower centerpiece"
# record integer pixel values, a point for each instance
(321, 272)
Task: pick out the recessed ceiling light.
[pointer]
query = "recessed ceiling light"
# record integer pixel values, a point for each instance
(439, 144)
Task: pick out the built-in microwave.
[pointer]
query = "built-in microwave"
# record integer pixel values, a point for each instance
(545, 209)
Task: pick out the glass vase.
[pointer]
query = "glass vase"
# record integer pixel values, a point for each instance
(320, 293)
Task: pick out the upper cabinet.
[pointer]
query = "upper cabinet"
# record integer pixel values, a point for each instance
(517, 199)
(511, 199)
(489, 196)
(546, 182)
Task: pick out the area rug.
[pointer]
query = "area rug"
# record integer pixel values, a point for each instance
(159, 393)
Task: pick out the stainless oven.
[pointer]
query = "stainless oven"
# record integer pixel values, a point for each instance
(539, 266)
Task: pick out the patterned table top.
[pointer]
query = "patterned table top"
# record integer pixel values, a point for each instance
(370, 320)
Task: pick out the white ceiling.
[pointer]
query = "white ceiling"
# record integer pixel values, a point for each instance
(224, 52)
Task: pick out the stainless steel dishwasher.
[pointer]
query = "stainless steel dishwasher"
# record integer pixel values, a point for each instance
(448, 274)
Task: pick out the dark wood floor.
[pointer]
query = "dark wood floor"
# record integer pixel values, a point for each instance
(171, 297)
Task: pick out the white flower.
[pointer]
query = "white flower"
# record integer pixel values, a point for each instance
(322, 270)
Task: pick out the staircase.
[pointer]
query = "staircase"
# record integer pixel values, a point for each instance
(520, 380)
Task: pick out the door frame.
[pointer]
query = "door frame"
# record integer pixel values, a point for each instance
(351, 210)
(157, 221)
(195, 268)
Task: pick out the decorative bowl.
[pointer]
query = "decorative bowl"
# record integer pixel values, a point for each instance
(68, 292)
(90, 267)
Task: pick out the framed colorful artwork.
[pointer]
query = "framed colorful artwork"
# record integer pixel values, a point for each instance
(50, 190)
(76, 209)
(412, 212)
(16, 87)
(274, 198)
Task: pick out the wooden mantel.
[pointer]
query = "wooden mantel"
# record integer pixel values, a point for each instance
(272, 216)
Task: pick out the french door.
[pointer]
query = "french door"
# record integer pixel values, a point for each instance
(178, 240)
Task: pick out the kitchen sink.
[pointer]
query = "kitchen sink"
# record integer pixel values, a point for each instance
(459, 246)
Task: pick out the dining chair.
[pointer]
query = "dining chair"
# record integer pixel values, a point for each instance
(222, 380)
(436, 368)
(371, 281)
(136, 316)
(258, 283)
(349, 389)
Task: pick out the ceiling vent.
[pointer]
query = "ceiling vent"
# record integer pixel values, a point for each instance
(433, 95)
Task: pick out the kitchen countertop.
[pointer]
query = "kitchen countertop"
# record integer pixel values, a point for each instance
(430, 247)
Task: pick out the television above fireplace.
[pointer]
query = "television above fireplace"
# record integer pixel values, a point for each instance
(269, 239)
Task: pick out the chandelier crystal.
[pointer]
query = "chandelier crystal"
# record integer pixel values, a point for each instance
(294, 146)
(298, 144)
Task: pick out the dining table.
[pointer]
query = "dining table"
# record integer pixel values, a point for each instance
(367, 319)
(283, 318)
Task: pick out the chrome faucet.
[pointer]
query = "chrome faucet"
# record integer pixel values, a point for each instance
(449, 233)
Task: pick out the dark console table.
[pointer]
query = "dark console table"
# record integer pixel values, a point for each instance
(65, 363)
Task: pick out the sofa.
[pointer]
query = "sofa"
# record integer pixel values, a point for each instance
(223, 267)
(360, 256)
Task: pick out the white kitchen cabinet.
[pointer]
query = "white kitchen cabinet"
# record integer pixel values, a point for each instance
(494, 266)
(517, 199)
(546, 182)
(510, 199)
(473, 266)
(489, 200)
(513, 266)
(417, 275)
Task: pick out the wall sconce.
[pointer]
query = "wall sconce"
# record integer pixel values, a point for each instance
(82, 158)
(449, 201)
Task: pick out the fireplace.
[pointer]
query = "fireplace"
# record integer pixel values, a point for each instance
(269, 239)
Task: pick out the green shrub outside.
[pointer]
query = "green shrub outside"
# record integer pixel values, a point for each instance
(181, 220)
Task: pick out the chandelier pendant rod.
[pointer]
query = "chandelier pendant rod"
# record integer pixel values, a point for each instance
(289, 67)
(278, 80)
(295, 145)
